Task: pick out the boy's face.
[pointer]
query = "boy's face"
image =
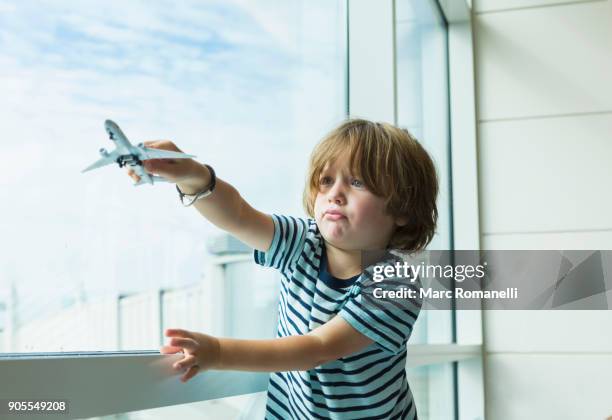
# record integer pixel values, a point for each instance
(348, 215)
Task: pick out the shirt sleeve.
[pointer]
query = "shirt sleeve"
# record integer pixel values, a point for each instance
(287, 243)
(388, 322)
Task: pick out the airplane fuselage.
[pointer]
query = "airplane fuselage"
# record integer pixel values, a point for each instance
(128, 153)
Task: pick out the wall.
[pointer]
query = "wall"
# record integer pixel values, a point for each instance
(544, 118)
(544, 96)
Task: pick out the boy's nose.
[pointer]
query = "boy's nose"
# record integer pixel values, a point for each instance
(336, 194)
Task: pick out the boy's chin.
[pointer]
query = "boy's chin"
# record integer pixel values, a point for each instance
(341, 242)
(333, 238)
(346, 244)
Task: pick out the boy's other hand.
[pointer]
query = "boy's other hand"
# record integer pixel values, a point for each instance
(202, 352)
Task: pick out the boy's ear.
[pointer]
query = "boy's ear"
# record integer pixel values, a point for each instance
(401, 221)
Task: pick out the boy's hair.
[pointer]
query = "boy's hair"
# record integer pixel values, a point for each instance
(393, 165)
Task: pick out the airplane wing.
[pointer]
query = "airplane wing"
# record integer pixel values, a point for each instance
(150, 153)
(106, 160)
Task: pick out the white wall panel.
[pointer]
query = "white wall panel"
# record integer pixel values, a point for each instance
(544, 103)
(560, 387)
(544, 61)
(481, 6)
(550, 174)
(548, 331)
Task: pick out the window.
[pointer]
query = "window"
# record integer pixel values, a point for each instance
(422, 108)
(93, 263)
(422, 94)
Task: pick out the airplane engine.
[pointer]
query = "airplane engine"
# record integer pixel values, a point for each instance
(103, 152)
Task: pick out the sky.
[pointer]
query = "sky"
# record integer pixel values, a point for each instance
(247, 86)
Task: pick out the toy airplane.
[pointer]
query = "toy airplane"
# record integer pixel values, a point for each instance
(127, 154)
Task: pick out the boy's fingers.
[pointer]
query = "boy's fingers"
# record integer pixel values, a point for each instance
(175, 332)
(133, 175)
(154, 164)
(149, 167)
(186, 343)
(185, 363)
(164, 167)
(170, 350)
(155, 143)
(193, 370)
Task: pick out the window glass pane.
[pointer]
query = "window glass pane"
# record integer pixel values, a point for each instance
(422, 104)
(422, 93)
(91, 262)
(432, 388)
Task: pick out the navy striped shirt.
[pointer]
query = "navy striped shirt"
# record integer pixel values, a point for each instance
(369, 384)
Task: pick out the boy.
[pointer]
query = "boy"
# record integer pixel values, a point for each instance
(337, 354)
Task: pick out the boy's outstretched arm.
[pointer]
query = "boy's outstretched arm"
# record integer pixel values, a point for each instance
(225, 208)
(335, 339)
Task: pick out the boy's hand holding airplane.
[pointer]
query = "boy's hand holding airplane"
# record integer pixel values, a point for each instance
(188, 174)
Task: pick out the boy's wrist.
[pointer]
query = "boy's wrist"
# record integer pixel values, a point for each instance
(208, 354)
(216, 346)
(196, 183)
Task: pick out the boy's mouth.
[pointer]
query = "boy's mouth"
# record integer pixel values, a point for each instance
(334, 215)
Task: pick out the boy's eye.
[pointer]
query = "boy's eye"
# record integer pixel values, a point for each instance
(324, 180)
(357, 183)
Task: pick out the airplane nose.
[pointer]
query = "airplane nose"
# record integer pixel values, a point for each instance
(110, 126)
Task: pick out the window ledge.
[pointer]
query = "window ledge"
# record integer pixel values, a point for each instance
(431, 354)
(100, 383)
(103, 383)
